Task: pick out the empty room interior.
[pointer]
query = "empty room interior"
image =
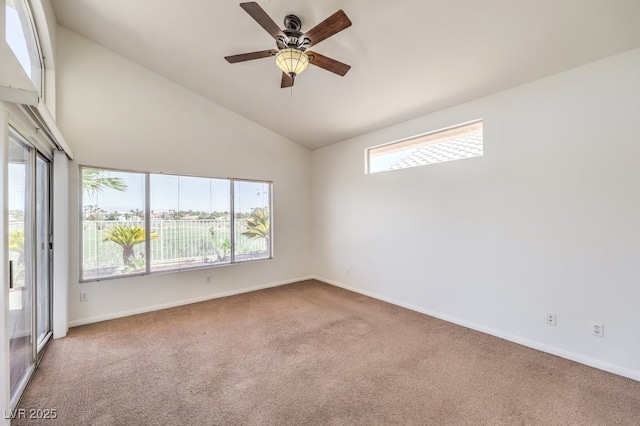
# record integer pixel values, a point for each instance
(337, 212)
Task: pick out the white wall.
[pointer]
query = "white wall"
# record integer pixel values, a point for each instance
(61, 244)
(546, 221)
(117, 114)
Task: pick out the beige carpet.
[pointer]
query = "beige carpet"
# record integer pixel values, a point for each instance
(308, 354)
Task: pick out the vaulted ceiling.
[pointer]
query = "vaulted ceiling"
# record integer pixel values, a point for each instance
(408, 57)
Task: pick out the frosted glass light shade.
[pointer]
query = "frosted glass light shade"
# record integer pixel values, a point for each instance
(292, 61)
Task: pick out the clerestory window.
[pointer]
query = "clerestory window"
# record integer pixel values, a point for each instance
(21, 36)
(453, 143)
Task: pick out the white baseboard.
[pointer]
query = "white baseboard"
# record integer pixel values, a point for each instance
(121, 314)
(601, 365)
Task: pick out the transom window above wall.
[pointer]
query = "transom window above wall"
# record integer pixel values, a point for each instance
(20, 35)
(137, 223)
(453, 143)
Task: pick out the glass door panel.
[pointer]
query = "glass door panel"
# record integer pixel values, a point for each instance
(21, 348)
(43, 258)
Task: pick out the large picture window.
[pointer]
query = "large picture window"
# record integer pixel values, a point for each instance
(141, 223)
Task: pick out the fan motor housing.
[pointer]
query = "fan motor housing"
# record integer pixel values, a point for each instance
(294, 38)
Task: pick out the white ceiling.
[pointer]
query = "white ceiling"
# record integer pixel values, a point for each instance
(408, 57)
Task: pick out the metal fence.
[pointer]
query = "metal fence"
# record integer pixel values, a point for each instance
(174, 244)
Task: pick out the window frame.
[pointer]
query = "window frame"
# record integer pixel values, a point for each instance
(233, 213)
(147, 224)
(32, 39)
(419, 141)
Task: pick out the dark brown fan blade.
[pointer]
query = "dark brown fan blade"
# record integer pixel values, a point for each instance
(249, 56)
(328, 63)
(330, 26)
(287, 80)
(261, 17)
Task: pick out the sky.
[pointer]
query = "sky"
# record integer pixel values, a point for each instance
(16, 40)
(381, 163)
(169, 192)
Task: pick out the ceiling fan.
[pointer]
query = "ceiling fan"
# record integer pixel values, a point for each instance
(292, 56)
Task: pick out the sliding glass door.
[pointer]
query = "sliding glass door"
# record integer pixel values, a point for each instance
(29, 260)
(21, 354)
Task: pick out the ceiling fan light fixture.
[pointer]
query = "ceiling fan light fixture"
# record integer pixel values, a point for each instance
(292, 61)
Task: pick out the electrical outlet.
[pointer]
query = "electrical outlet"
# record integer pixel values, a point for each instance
(348, 271)
(207, 279)
(83, 296)
(551, 319)
(597, 329)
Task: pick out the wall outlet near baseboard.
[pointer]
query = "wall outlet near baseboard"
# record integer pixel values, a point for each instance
(207, 279)
(597, 329)
(83, 296)
(551, 319)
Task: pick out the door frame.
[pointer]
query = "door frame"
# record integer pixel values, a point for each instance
(40, 347)
(14, 126)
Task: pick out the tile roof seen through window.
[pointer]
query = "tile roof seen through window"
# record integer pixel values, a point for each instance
(465, 146)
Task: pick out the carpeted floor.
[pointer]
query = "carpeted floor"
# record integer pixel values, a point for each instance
(308, 354)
